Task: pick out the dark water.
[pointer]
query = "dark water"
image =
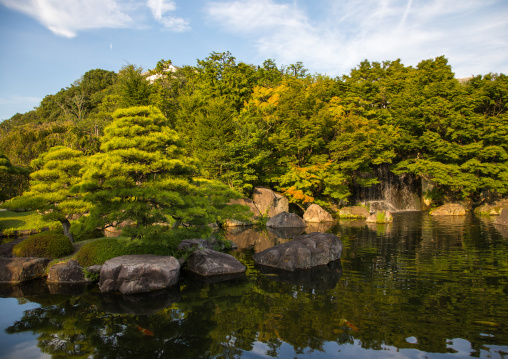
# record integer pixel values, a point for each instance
(418, 288)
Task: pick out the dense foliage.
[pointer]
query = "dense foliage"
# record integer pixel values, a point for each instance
(312, 137)
(46, 245)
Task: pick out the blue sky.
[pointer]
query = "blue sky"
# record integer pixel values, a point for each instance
(48, 44)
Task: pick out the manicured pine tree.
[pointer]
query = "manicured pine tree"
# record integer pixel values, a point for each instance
(142, 175)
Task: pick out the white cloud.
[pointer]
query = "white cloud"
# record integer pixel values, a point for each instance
(159, 10)
(472, 34)
(67, 17)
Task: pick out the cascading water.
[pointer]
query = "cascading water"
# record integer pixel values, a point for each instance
(393, 192)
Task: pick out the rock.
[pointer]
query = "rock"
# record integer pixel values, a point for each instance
(70, 272)
(316, 214)
(249, 238)
(269, 202)
(303, 252)
(354, 212)
(503, 218)
(380, 217)
(207, 262)
(249, 203)
(6, 248)
(491, 209)
(19, 269)
(449, 209)
(285, 220)
(141, 273)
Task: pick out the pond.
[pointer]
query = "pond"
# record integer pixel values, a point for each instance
(421, 287)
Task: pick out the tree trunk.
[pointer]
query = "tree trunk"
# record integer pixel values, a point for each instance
(67, 229)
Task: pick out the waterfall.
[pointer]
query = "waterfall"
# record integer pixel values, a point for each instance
(393, 192)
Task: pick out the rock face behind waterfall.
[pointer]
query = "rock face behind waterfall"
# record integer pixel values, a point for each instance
(303, 252)
(141, 273)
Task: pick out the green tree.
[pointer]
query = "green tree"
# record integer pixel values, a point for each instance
(55, 173)
(142, 175)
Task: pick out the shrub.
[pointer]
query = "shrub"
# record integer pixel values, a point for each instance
(46, 244)
(99, 251)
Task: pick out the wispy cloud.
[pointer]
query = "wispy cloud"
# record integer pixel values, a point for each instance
(66, 18)
(160, 8)
(473, 34)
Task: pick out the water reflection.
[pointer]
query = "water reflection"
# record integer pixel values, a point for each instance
(419, 287)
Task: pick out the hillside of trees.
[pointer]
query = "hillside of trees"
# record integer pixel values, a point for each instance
(311, 137)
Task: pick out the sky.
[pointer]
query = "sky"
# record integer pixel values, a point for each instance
(46, 45)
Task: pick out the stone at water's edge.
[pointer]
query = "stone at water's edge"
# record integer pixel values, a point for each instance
(285, 220)
(316, 214)
(15, 270)
(492, 209)
(208, 262)
(70, 272)
(503, 218)
(449, 209)
(269, 202)
(303, 252)
(354, 212)
(141, 273)
(380, 217)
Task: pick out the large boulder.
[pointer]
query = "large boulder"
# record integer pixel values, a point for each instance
(449, 209)
(354, 212)
(380, 217)
(269, 202)
(207, 262)
(69, 272)
(285, 220)
(303, 252)
(19, 269)
(316, 214)
(503, 218)
(140, 273)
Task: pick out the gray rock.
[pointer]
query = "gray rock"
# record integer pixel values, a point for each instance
(18, 269)
(70, 272)
(449, 209)
(285, 220)
(316, 214)
(269, 202)
(95, 269)
(503, 217)
(141, 273)
(303, 252)
(208, 262)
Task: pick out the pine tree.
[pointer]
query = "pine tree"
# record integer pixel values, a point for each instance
(142, 175)
(56, 172)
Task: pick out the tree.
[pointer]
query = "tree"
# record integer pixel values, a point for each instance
(12, 178)
(142, 175)
(56, 172)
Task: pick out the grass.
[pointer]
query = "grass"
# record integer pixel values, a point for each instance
(17, 221)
